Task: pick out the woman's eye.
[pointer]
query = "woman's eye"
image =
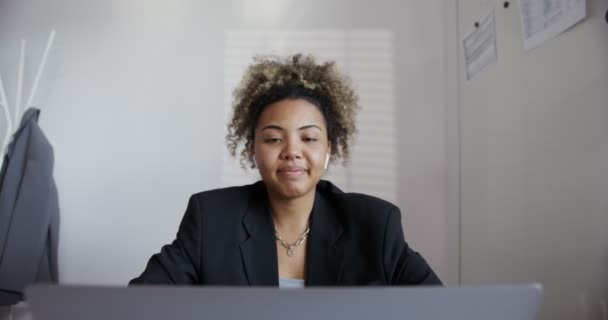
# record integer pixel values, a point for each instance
(272, 140)
(310, 139)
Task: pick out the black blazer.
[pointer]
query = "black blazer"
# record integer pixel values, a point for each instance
(227, 238)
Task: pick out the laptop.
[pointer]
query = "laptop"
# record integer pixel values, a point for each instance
(508, 302)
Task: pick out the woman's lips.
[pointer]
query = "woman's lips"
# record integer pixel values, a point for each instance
(291, 171)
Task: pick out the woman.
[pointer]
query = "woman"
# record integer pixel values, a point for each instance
(290, 229)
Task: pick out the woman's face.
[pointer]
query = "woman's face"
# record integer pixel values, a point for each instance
(290, 147)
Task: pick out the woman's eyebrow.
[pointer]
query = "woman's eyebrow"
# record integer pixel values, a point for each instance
(274, 126)
(310, 126)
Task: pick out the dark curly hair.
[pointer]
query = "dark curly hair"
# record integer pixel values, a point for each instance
(270, 79)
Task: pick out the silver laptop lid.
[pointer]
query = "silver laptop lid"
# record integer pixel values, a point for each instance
(508, 302)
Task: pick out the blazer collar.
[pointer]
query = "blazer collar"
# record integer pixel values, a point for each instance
(325, 250)
(324, 255)
(259, 251)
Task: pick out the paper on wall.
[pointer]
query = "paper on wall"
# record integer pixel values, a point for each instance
(544, 19)
(480, 46)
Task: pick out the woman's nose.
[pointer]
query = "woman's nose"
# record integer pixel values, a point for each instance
(291, 151)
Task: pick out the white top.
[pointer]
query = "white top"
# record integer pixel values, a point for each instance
(286, 283)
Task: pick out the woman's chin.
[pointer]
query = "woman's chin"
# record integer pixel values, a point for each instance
(292, 189)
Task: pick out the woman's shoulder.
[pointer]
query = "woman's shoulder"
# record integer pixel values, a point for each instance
(353, 203)
(232, 190)
(235, 195)
(359, 213)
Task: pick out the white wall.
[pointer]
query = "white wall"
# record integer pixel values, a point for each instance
(133, 103)
(534, 146)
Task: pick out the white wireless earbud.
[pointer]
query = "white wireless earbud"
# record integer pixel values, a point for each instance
(326, 161)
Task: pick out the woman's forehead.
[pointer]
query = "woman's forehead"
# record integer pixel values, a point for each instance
(291, 114)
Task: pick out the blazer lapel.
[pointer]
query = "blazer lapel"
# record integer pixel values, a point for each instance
(325, 250)
(259, 251)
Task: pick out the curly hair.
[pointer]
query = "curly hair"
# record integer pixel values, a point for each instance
(270, 79)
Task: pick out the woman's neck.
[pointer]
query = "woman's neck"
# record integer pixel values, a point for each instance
(291, 216)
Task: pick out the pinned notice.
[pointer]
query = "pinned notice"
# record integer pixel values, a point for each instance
(542, 20)
(480, 46)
